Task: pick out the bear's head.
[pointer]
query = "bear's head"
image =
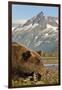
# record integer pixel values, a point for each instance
(26, 60)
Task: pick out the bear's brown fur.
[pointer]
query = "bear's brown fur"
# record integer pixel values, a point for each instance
(26, 60)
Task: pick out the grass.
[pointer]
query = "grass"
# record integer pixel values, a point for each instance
(50, 60)
(50, 77)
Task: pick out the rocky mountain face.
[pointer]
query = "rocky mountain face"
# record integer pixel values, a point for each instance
(38, 33)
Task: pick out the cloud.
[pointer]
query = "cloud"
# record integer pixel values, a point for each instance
(19, 21)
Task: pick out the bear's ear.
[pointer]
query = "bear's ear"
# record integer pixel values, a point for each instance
(26, 55)
(39, 52)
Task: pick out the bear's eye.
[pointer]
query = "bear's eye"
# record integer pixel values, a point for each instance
(26, 55)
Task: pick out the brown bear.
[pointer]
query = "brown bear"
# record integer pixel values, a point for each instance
(25, 62)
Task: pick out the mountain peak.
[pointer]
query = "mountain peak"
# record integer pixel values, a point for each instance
(40, 14)
(38, 33)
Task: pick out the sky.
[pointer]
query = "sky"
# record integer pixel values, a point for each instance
(25, 12)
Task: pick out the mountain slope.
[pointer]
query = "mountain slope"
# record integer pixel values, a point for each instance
(38, 33)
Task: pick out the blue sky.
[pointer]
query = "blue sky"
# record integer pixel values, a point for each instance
(23, 12)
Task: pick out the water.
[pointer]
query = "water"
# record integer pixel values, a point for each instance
(52, 66)
(48, 65)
